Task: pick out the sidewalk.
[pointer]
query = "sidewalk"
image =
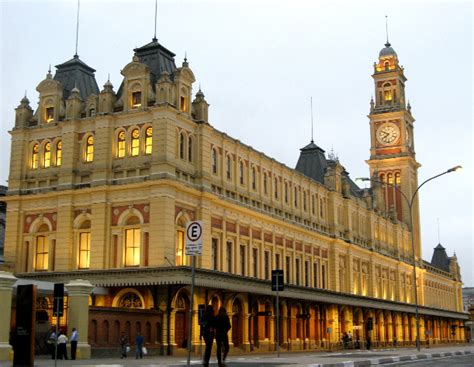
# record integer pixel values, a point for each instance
(307, 359)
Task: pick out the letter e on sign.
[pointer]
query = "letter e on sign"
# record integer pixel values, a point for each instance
(194, 238)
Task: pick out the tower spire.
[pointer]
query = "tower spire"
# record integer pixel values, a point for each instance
(156, 12)
(77, 29)
(386, 30)
(312, 124)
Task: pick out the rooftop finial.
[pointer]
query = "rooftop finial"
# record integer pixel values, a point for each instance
(386, 30)
(312, 128)
(156, 12)
(108, 77)
(25, 93)
(185, 56)
(77, 29)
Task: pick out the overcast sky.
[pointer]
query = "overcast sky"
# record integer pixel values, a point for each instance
(258, 63)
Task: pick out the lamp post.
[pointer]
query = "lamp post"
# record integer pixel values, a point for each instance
(410, 202)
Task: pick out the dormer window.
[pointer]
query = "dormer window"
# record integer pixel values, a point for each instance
(47, 155)
(92, 112)
(49, 117)
(183, 105)
(386, 65)
(136, 99)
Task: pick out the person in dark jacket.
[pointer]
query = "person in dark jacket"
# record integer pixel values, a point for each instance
(222, 339)
(208, 332)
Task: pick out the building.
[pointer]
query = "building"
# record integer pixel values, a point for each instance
(103, 182)
(468, 302)
(3, 213)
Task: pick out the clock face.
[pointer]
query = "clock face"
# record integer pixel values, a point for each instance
(388, 133)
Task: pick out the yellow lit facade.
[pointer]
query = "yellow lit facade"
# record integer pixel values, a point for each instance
(104, 190)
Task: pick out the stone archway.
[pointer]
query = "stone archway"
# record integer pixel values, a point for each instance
(181, 320)
(237, 322)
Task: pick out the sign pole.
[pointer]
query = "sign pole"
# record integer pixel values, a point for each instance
(278, 318)
(190, 328)
(57, 329)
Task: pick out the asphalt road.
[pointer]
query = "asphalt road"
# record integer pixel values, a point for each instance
(457, 361)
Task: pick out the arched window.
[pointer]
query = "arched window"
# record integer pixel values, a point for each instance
(387, 93)
(121, 144)
(59, 153)
(254, 179)
(296, 197)
(386, 65)
(92, 111)
(190, 149)
(148, 140)
(35, 156)
(241, 172)
(304, 200)
(214, 161)
(90, 149)
(47, 155)
(84, 245)
(130, 300)
(286, 192)
(135, 151)
(181, 145)
(229, 167)
(132, 242)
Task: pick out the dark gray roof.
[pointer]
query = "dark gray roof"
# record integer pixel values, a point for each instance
(387, 51)
(76, 73)
(312, 162)
(440, 259)
(158, 58)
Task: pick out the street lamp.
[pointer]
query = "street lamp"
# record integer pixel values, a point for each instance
(410, 202)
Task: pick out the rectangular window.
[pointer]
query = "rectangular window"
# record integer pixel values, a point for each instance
(315, 275)
(180, 259)
(41, 258)
(266, 265)
(255, 262)
(297, 271)
(183, 106)
(323, 276)
(215, 246)
(306, 273)
(277, 261)
(89, 153)
(242, 259)
(148, 144)
(229, 256)
(136, 99)
(84, 250)
(288, 269)
(132, 247)
(135, 147)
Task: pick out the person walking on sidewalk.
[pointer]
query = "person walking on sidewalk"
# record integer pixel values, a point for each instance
(222, 339)
(208, 333)
(139, 340)
(124, 346)
(73, 340)
(62, 341)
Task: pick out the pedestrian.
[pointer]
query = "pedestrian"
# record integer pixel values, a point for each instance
(52, 343)
(124, 345)
(139, 340)
(73, 340)
(208, 332)
(349, 339)
(369, 341)
(62, 341)
(345, 340)
(222, 339)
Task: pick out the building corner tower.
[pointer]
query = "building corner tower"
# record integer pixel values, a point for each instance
(392, 152)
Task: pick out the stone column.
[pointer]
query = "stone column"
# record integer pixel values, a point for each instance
(78, 303)
(6, 285)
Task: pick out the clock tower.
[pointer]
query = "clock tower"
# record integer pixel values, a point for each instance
(392, 152)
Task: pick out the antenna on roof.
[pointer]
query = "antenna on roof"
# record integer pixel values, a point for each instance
(156, 12)
(77, 28)
(386, 30)
(312, 140)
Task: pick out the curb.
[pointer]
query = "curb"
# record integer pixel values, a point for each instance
(386, 360)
